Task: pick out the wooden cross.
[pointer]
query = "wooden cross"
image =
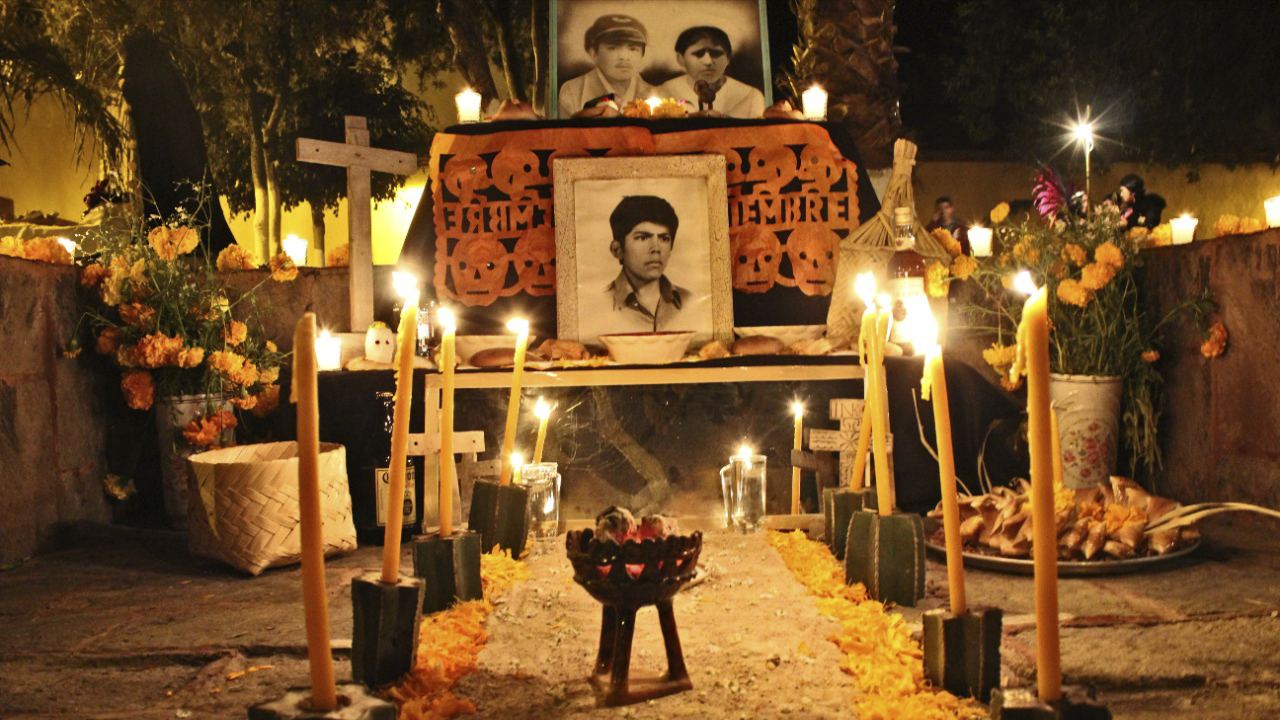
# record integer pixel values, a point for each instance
(427, 444)
(845, 440)
(360, 160)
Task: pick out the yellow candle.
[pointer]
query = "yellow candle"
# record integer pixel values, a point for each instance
(543, 411)
(315, 604)
(865, 286)
(884, 490)
(521, 329)
(406, 340)
(798, 409)
(1034, 331)
(934, 384)
(447, 466)
(517, 467)
(1057, 448)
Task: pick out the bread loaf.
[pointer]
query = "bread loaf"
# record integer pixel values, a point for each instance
(758, 345)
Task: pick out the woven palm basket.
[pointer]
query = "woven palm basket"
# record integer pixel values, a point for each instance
(243, 505)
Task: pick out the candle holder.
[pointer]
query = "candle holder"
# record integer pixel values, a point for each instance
(607, 570)
(449, 568)
(354, 703)
(543, 480)
(1078, 702)
(742, 484)
(962, 652)
(484, 508)
(384, 636)
(500, 515)
(838, 507)
(886, 554)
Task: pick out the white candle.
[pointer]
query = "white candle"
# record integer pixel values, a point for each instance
(1272, 206)
(296, 248)
(814, 101)
(980, 241)
(329, 351)
(1184, 229)
(468, 106)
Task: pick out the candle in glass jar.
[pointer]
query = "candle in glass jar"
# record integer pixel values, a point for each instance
(814, 102)
(328, 351)
(1272, 207)
(296, 248)
(468, 106)
(980, 241)
(1184, 229)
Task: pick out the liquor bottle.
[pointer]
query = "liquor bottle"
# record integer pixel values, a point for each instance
(905, 284)
(371, 479)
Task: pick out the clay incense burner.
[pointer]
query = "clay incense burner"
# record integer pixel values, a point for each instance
(625, 577)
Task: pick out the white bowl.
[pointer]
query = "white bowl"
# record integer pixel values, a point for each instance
(788, 334)
(468, 345)
(647, 348)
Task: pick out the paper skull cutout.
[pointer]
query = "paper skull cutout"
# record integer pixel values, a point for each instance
(464, 176)
(756, 256)
(380, 343)
(535, 258)
(513, 170)
(479, 267)
(812, 251)
(820, 170)
(773, 164)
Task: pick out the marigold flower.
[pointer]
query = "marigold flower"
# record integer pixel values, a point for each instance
(92, 275)
(169, 243)
(947, 241)
(1075, 255)
(1138, 235)
(13, 247)
(47, 249)
(206, 432)
(1096, 275)
(999, 213)
(1026, 250)
(245, 402)
(235, 333)
(1162, 235)
(1108, 254)
(1216, 343)
(139, 390)
(108, 340)
(138, 316)
(341, 255)
(670, 108)
(283, 268)
(270, 375)
(246, 375)
(71, 349)
(226, 362)
(1150, 356)
(935, 280)
(233, 257)
(1000, 357)
(964, 266)
(1059, 270)
(158, 350)
(125, 355)
(1071, 292)
(271, 347)
(268, 400)
(1226, 225)
(190, 357)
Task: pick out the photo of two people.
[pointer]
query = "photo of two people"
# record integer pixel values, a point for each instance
(706, 53)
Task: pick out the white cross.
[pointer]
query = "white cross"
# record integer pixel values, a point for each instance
(359, 159)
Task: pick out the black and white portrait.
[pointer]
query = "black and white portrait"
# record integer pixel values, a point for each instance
(644, 252)
(712, 54)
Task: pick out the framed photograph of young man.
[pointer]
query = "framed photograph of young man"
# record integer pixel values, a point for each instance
(642, 245)
(713, 54)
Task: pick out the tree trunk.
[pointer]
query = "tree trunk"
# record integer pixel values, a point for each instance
(538, 31)
(275, 207)
(512, 64)
(470, 55)
(847, 47)
(317, 235)
(258, 170)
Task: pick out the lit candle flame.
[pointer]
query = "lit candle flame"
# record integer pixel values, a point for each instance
(542, 410)
(1023, 283)
(519, 326)
(405, 284)
(517, 460)
(69, 245)
(797, 408)
(448, 323)
(884, 301)
(865, 287)
(744, 452)
(653, 102)
(926, 332)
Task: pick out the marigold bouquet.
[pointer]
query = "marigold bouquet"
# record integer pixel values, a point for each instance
(1098, 324)
(159, 310)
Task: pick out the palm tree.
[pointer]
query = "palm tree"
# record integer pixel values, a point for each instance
(846, 46)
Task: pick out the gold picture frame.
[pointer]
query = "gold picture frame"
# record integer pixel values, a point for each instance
(591, 265)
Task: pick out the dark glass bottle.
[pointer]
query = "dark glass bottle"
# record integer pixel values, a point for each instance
(906, 274)
(371, 479)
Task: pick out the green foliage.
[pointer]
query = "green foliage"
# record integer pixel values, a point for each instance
(1171, 81)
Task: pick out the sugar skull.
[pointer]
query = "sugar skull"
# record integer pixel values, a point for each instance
(514, 170)
(812, 251)
(464, 176)
(535, 258)
(380, 343)
(479, 266)
(756, 256)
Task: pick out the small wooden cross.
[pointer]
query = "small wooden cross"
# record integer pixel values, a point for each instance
(845, 440)
(359, 159)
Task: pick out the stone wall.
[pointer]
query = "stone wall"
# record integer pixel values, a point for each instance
(1221, 432)
(52, 418)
